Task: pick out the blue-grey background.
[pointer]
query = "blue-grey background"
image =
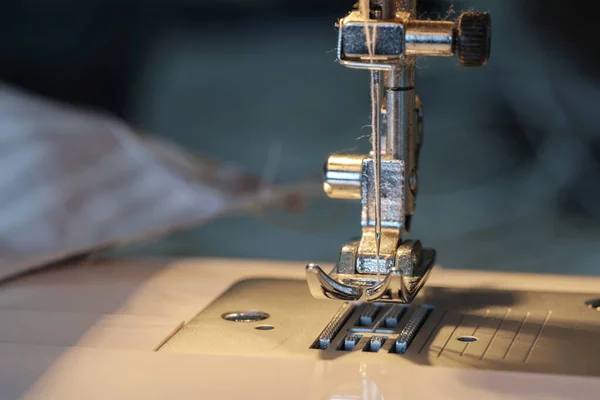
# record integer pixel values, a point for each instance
(510, 170)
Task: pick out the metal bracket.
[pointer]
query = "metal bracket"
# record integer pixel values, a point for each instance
(399, 283)
(385, 39)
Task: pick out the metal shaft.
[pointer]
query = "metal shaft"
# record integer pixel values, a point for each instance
(378, 9)
(400, 123)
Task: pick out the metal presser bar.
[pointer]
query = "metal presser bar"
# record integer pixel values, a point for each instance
(386, 39)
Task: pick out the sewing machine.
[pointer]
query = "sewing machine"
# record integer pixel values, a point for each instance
(382, 324)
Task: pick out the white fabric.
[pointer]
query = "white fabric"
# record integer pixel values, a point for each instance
(72, 181)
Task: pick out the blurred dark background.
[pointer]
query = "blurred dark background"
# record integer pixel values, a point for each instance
(510, 169)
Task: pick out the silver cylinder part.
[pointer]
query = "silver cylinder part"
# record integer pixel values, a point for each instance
(429, 38)
(401, 122)
(399, 119)
(343, 176)
(400, 113)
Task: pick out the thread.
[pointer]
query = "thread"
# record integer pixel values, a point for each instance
(371, 40)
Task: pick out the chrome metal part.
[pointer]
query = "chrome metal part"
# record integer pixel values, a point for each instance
(350, 341)
(391, 318)
(386, 39)
(354, 39)
(343, 176)
(368, 314)
(245, 316)
(379, 325)
(396, 286)
(376, 343)
(416, 321)
(392, 188)
(332, 329)
(430, 38)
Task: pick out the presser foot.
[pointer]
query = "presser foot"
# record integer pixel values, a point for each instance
(399, 284)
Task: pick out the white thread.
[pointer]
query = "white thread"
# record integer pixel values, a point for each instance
(371, 40)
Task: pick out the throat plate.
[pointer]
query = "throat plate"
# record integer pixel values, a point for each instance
(544, 332)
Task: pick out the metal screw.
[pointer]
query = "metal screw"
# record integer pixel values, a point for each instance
(245, 316)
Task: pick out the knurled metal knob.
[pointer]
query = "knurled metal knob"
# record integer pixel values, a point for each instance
(474, 39)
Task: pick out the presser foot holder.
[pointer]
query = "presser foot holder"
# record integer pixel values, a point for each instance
(399, 284)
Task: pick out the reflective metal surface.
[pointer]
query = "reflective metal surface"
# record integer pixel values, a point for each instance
(332, 329)
(430, 38)
(411, 329)
(343, 176)
(387, 45)
(245, 316)
(386, 39)
(396, 286)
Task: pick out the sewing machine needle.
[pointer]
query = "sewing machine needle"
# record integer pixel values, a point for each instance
(376, 139)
